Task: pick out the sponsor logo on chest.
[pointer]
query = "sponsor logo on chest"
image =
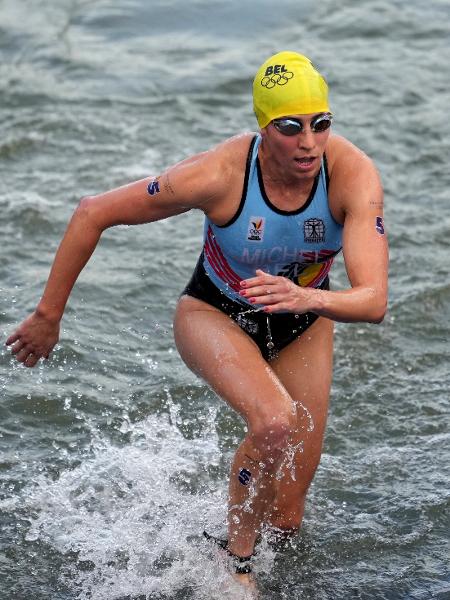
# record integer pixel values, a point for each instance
(255, 230)
(313, 231)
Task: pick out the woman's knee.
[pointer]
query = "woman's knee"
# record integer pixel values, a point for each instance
(273, 436)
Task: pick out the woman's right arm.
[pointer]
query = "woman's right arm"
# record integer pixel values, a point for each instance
(36, 337)
(132, 204)
(193, 183)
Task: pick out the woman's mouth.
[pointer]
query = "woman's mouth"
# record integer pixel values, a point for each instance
(305, 163)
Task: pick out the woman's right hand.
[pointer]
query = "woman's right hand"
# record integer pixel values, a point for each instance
(35, 338)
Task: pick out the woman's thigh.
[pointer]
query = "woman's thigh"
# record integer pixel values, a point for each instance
(215, 348)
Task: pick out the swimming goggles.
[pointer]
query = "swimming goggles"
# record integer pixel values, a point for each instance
(290, 126)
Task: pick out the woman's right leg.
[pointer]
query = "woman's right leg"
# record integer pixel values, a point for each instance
(216, 349)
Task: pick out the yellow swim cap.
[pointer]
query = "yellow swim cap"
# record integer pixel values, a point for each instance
(288, 84)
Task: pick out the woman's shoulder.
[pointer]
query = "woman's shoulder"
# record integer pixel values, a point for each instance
(226, 161)
(352, 176)
(344, 156)
(235, 148)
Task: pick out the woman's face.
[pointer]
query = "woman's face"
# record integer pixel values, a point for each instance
(297, 155)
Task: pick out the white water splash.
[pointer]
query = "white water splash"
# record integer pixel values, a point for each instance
(128, 521)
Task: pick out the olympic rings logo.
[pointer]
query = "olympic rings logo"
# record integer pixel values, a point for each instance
(276, 79)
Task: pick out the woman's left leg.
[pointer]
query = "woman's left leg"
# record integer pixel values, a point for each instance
(305, 369)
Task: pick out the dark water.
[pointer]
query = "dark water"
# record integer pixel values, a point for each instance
(113, 455)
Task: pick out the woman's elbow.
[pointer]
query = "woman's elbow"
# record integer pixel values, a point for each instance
(84, 207)
(378, 310)
(86, 213)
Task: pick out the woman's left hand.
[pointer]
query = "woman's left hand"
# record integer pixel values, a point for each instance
(276, 293)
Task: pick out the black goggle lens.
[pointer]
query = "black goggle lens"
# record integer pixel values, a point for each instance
(294, 126)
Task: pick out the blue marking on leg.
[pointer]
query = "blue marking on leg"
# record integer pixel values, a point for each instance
(244, 476)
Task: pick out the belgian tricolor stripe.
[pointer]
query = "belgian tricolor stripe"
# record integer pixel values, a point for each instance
(219, 263)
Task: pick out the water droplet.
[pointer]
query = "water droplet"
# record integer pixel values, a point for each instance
(32, 536)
